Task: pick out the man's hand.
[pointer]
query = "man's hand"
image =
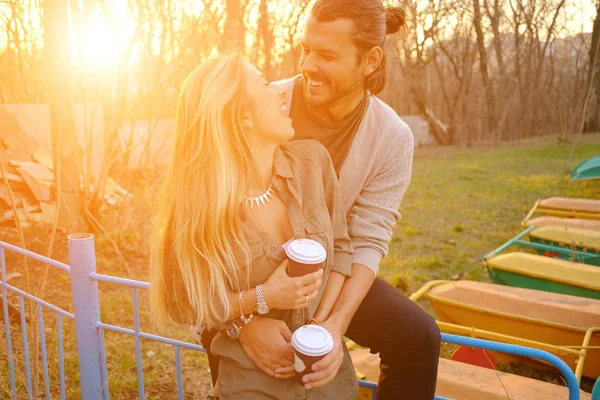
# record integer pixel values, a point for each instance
(268, 343)
(327, 368)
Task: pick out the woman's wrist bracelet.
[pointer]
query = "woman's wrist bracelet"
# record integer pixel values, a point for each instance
(245, 320)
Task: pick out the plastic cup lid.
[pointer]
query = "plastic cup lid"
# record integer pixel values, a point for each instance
(306, 251)
(312, 340)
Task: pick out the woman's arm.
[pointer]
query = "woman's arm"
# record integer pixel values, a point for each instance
(330, 295)
(280, 292)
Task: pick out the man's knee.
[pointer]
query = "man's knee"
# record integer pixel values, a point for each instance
(431, 337)
(421, 338)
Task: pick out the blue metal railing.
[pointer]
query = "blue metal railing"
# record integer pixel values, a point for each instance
(89, 329)
(40, 303)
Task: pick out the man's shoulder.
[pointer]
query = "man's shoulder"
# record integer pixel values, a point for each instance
(389, 120)
(384, 122)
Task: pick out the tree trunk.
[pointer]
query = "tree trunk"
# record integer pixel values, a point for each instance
(495, 22)
(65, 147)
(487, 84)
(233, 35)
(267, 38)
(592, 124)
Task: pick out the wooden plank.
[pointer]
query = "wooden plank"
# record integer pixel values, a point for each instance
(463, 381)
(458, 380)
(16, 163)
(37, 171)
(5, 196)
(9, 215)
(44, 158)
(12, 177)
(46, 215)
(39, 190)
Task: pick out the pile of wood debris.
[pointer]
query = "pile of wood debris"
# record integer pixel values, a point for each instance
(29, 174)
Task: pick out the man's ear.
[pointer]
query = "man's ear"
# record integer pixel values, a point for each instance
(372, 59)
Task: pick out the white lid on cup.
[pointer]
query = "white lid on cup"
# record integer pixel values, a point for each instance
(312, 340)
(305, 251)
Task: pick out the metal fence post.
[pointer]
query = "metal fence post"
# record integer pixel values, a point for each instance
(86, 307)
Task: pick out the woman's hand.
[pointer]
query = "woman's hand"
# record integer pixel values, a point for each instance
(286, 293)
(267, 342)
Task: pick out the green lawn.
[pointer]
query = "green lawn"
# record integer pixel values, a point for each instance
(461, 204)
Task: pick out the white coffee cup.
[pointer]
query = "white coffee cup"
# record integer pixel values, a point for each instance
(311, 343)
(305, 255)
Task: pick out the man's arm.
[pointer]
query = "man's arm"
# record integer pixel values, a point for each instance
(332, 291)
(352, 294)
(371, 222)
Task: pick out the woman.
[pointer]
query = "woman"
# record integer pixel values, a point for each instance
(235, 192)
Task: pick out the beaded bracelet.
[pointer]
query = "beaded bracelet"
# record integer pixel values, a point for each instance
(245, 320)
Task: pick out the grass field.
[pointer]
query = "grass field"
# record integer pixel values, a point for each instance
(461, 204)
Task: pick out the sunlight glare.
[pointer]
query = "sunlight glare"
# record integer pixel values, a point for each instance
(96, 43)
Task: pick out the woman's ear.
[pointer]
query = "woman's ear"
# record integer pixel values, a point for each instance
(247, 121)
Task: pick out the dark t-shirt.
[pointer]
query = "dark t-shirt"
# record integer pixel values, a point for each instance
(336, 136)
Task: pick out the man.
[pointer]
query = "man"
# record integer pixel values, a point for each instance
(343, 67)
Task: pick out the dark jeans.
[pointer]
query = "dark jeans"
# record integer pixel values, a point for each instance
(406, 338)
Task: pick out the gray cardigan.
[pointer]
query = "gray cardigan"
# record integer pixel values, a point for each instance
(373, 178)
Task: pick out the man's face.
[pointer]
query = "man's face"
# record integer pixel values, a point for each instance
(330, 63)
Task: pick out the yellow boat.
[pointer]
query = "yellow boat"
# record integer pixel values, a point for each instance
(544, 273)
(558, 323)
(569, 244)
(588, 224)
(576, 238)
(567, 207)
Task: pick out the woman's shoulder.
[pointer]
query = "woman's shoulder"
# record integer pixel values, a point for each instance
(305, 150)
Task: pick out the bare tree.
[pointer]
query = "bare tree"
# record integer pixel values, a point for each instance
(593, 121)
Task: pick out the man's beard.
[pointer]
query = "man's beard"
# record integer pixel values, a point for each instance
(336, 94)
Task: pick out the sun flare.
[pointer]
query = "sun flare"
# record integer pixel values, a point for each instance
(96, 43)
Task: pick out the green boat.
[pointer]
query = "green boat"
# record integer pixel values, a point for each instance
(588, 169)
(567, 243)
(549, 274)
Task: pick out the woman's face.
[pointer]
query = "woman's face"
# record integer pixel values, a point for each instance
(267, 109)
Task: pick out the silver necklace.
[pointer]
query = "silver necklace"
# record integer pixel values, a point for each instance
(261, 200)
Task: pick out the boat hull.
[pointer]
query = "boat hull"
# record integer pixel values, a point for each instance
(528, 282)
(550, 318)
(537, 272)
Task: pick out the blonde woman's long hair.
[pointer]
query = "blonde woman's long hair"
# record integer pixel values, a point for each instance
(197, 227)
